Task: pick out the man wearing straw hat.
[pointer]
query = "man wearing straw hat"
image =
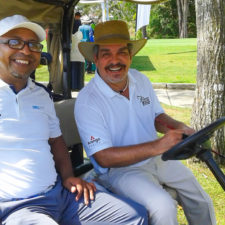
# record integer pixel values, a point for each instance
(37, 184)
(118, 116)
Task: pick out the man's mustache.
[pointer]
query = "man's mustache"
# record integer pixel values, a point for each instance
(115, 65)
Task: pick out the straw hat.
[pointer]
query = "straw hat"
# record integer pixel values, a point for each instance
(110, 32)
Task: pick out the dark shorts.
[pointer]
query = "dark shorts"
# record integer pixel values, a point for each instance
(58, 206)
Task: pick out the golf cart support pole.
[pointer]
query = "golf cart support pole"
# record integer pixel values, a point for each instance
(66, 43)
(206, 156)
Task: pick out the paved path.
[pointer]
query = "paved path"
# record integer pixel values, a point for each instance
(176, 97)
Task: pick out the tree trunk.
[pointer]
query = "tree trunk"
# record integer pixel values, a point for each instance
(209, 103)
(182, 8)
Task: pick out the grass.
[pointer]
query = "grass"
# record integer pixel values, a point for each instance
(168, 60)
(212, 187)
(162, 60)
(42, 73)
(201, 172)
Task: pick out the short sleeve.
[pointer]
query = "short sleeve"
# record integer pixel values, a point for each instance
(92, 128)
(54, 127)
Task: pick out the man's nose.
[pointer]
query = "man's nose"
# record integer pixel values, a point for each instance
(25, 50)
(114, 58)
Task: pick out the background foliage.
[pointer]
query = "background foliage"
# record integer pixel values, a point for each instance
(163, 17)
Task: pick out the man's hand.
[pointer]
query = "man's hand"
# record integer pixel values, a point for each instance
(171, 138)
(79, 186)
(64, 167)
(187, 130)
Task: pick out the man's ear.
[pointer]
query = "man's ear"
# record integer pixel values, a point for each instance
(131, 59)
(95, 59)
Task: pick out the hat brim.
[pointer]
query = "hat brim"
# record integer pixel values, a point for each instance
(86, 48)
(37, 29)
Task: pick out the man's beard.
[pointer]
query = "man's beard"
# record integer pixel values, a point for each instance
(20, 76)
(26, 74)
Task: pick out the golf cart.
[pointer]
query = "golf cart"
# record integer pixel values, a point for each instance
(57, 17)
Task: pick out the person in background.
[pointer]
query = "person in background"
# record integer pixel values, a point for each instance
(37, 184)
(118, 115)
(93, 27)
(88, 35)
(77, 22)
(77, 61)
(92, 39)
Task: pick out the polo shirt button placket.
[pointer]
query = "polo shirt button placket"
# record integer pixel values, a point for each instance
(17, 106)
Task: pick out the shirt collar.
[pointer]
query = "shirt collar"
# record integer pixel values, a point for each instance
(30, 83)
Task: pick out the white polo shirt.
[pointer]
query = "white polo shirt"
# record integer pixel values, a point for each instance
(106, 119)
(27, 121)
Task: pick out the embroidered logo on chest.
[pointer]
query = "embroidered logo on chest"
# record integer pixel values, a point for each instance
(37, 107)
(144, 100)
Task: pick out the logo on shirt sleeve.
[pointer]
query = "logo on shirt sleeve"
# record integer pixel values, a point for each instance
(144, 100)
(93, 140)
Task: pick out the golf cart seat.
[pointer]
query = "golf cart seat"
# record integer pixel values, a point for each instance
(65, 112)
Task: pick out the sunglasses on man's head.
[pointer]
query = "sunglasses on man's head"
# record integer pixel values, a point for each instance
(19, 44)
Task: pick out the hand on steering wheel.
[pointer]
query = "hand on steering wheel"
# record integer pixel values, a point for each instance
(191, 145)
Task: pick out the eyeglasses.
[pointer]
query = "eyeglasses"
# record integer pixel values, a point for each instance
(19, 44)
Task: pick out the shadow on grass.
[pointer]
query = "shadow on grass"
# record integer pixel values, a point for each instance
(142, 63)
(173, 53)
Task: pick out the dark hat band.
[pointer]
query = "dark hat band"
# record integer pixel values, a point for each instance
(113, 36)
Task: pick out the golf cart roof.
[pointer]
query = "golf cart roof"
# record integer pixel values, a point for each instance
(48, 12)
(56, 16)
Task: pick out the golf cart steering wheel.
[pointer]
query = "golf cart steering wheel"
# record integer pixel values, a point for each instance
(192, 145)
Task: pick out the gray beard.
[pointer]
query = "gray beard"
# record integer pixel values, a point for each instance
(19, 76)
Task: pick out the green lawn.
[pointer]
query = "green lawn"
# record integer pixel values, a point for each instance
(168, 60)
(42, 73)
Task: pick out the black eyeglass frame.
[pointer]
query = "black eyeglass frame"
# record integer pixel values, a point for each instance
(28, 43)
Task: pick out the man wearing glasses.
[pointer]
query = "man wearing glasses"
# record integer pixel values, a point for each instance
(37, 185)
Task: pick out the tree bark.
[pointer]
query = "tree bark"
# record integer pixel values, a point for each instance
(182, 9)
(209, 102)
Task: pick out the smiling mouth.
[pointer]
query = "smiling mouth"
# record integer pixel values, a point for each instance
(21, 61)
(115, 68)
